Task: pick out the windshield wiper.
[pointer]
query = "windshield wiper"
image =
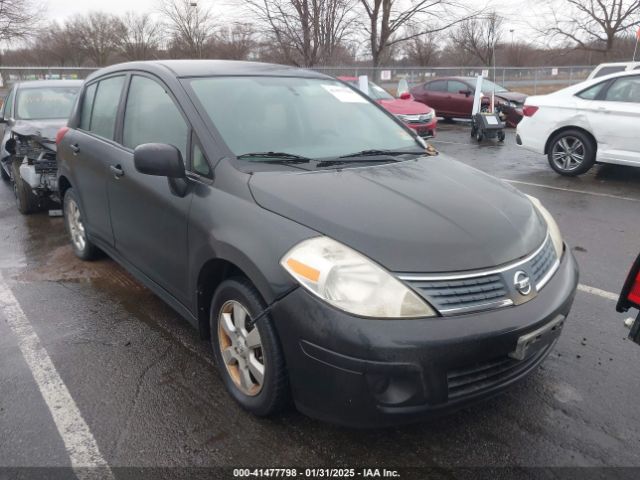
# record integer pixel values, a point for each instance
(276, 157)
(376, 153)
(344, 160)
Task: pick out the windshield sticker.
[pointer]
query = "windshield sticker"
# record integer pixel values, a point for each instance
(344, 94)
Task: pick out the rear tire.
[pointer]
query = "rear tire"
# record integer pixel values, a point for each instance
(571, 153)
(501, 136)
(479, 136)
(74, 222)
(26, 200)
(252, 365)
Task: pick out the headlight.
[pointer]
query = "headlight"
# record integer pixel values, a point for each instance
(554, 231)
(351, 282)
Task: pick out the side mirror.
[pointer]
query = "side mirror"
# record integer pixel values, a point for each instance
(405, 96)
(159, 159)
(466, 93)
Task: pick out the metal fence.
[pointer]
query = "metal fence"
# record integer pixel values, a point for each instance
(530, 80)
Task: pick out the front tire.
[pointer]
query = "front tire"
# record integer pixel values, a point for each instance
(74, 221)
(26, 201)
(248, 355)
(571, 153)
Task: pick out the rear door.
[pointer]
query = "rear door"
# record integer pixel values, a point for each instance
(460, 104)
(90, 149)
(149, 218)
(617, 119)
(435, 95)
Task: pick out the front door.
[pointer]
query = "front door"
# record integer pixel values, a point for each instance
(149, 217)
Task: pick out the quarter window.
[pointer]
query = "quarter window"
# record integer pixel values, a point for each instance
(105, 107)
(87, 106)
(591, 93)
(151, 116)
(8, 104)
(199, 161)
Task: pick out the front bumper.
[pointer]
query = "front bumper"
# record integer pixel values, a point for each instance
(366, 373)
(425, 129)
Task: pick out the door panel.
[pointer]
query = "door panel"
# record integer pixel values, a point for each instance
(617, 114)
(459, 103)
(149, 217)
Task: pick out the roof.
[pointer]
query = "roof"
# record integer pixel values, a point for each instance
(203, 68)
(49, 83)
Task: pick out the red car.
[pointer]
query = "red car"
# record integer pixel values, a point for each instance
(452, 97)
(416, 115)
(630, 298)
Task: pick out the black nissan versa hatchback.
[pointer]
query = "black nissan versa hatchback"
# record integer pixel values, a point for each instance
(308, 235)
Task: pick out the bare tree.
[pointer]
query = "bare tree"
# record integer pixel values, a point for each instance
(422, 50)
(98, 35)
(141, 37)
(190, 26)
(390, 22)
(18, 19)
(55, 44)
(594, 25)
(234, 42)
(479, 36)
(307, 32)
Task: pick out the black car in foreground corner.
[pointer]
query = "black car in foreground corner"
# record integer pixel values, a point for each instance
(305, 231)
(31, 116)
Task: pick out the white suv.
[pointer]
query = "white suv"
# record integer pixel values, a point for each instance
(609, 68)
(594, 121)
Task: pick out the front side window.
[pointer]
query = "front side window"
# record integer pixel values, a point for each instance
(313, 118)
(151, 116)
(105, 107)
(625, 89)
(45, 102)
(489, 86)
(457, 87)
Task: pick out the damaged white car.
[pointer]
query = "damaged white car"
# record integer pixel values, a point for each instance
(32, 114)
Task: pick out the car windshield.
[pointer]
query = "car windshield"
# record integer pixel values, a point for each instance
(45, 102)
(311, 118)
(488, 86)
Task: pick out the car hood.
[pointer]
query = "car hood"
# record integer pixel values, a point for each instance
(45, 129)
(405, 107)
(430, 215)
(511, 96)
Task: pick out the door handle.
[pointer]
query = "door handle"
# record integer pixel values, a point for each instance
(116, 170)
(75, 148)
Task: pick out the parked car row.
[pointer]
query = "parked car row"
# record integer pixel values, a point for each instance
(326, 255)
(592, 122)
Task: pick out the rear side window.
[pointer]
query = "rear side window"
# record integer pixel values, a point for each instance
(626, 89)
(87, 106)
(105, 107)
(152, 117)
(607, 70)
(592, 92)
(437, 86)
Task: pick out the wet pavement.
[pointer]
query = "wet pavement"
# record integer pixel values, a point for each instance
(145, 384)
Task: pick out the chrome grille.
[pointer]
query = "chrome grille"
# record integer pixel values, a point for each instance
(474, 291)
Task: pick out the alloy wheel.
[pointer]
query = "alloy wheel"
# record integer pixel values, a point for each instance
(76, 227)
(241, 348)
(568, 153)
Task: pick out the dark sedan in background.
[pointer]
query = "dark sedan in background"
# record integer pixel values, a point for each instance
(452, 97)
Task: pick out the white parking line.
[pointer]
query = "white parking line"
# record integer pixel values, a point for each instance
(79, 442)
(598, 292)
(572, 190)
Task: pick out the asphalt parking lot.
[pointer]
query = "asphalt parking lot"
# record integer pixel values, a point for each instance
(142, 390)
